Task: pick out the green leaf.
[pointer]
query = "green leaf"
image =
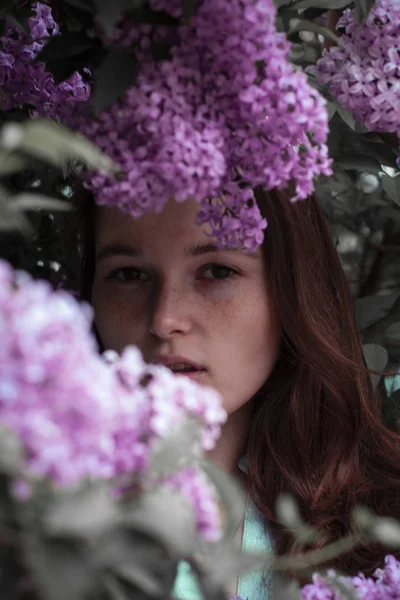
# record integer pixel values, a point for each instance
(46, 140)
(63, 69)
(376, 358)
(12, 219)
(110, 12)
(391, 186)
(60, 570)
(385, 530)
(381, 152)
(284, 589)
(358, 162)
(6, 6)
(223, 561)
(331, 109)
(144, 14)
(336, 134)
(114, 588)
(210, 591)
(11, 162)
(26, 201)
(304, 25)
(393, 332)
(346, 116)
(115, 75)
(282, 3)
(325, 4)
(85, 5)
(82, 514)
(288, 514)
(189, 8)
(137, 559)
(232, 496)
(13, 20)
(166, 515)
(363, 8)
(11, 453)
(371, 309)
(180, 448)
(65, 45)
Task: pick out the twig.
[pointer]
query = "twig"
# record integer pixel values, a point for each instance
(316, 557)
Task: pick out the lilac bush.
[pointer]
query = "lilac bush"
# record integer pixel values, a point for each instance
(79, 414)
(363, 73)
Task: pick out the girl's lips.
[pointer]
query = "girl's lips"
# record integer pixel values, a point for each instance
(179, 362)
(190, 374)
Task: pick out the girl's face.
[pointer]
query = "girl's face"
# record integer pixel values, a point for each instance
(161, 285)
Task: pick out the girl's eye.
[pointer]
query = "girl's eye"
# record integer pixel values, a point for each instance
(219, 272)
(128, 274)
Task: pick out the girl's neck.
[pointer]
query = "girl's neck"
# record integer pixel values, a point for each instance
(232, 443)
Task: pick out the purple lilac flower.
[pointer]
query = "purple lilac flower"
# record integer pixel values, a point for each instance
(79, 414)
(384, 585)
(226, 113)
(23, 81)
(227, 109)
(364, 72)
(194, 486)
(47, 361)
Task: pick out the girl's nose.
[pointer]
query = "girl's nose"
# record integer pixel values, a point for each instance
(171, 312)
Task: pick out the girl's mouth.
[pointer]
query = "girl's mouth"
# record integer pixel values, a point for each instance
(186, 370)
(180, 365)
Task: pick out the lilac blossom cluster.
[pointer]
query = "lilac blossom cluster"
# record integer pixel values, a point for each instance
(24, 81)
(364, 71)
(79, 414)
(384, 585)
(226, 113)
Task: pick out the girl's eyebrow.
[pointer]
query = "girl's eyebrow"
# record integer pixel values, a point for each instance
(200, 249)
(125, 249)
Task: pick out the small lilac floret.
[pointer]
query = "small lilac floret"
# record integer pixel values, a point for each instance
(79, 414)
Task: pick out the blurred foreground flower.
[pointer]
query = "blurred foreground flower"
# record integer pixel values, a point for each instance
(79, 415)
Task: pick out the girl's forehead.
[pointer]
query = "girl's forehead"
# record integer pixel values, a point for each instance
(176, 222)
(172, 231)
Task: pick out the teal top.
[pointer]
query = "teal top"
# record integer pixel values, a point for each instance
(251, 585)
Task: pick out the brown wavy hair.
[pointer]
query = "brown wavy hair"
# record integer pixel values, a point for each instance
(317, 431)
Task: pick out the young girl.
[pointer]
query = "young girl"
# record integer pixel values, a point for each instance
(273, 331)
